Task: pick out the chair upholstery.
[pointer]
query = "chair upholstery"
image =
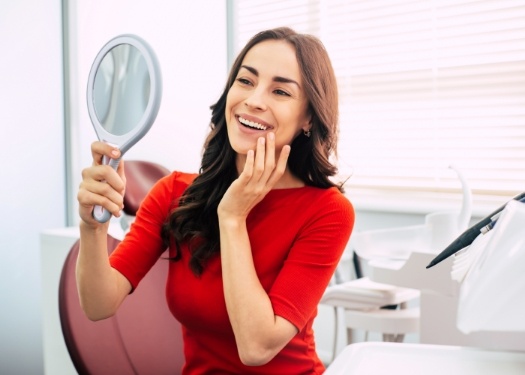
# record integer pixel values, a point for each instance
(143, 337)
(140, 176)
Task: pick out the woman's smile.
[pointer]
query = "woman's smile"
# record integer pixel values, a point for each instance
(252, 125)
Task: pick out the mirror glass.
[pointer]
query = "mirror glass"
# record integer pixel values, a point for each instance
(123, 96)
(121, 89)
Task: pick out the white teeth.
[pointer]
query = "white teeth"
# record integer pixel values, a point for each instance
(251, 124)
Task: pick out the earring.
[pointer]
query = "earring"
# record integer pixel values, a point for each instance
(307, 133)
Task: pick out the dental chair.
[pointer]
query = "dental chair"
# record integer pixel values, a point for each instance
(142, 338)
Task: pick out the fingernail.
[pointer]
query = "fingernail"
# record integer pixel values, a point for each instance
(261, 140)
(115, 152)
(271, 136)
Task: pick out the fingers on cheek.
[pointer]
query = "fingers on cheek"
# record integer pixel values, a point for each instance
(285, 152)
(283, 158)
(270, 154)
(261, 146)
(270, 144)
(248, 166)
(261, 155)
(261, 142)
(250, 156)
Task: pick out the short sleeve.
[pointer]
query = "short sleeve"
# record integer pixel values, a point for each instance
(312, 260)
(143, 244)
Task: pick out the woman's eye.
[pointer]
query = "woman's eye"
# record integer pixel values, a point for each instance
(281, 92)
(244, 81)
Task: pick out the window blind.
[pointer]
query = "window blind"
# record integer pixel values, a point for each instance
(423, 84)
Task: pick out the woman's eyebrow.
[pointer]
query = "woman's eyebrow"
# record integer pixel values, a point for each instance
(275, 79)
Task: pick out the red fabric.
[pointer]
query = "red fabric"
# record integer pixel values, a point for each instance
(297, 237)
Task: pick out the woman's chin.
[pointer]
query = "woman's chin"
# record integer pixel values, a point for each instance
(242, 148)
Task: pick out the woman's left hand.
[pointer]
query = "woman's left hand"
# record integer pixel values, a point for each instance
(259, 176)
(259, 333)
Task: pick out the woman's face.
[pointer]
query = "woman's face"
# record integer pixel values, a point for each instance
(267, 96)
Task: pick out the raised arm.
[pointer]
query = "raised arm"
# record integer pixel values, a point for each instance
(101, 288)
(259, 333)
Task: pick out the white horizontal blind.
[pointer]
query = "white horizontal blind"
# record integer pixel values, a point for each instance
(252, 16)
(423, 84)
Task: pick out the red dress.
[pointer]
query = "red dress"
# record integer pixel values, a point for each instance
(297, 237)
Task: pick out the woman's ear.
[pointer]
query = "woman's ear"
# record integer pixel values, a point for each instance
(308, 126)
(309, 118)
(307, 129)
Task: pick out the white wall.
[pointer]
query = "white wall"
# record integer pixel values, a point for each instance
(31, 169)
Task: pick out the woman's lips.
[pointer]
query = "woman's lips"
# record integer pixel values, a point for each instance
(252, 123)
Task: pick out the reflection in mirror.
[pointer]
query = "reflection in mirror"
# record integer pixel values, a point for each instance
(123, 96)
(121, 89)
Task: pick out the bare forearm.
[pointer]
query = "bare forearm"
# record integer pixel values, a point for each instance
(259, 334)
(101, 288)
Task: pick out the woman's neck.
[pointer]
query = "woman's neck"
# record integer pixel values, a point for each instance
(288, 181)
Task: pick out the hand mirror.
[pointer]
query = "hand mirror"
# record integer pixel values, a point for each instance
(123, 96)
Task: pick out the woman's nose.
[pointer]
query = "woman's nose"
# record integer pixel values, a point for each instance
(256, 100)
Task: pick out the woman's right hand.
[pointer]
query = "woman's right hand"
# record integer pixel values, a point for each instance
(101, 184)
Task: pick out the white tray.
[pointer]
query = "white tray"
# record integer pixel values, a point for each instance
(380, 358)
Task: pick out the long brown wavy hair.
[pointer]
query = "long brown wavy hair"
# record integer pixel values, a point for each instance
(195, 221)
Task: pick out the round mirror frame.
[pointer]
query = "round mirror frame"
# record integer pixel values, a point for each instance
(125, 141)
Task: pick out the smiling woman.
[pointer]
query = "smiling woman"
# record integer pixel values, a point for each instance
(254, 238)
(267, 95)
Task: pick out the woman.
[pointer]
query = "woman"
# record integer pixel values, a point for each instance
(255, 237)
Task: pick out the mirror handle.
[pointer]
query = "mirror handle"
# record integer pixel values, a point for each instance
(100, 214)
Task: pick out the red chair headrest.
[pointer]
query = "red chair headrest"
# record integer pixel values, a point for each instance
(140, 178)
